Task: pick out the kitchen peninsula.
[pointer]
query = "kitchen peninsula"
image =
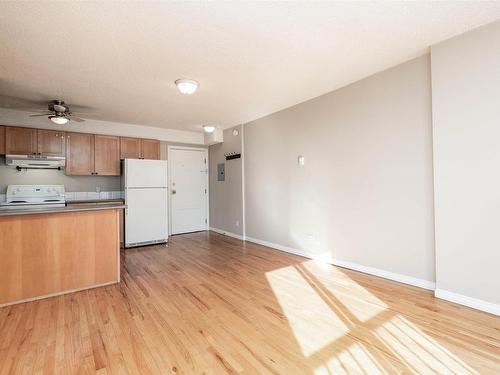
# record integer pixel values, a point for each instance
(50, 251)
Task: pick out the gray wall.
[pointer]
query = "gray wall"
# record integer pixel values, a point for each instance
(226, 197)
(365, 193)
(466, 116)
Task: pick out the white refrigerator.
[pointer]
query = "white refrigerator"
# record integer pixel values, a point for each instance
(146, 216)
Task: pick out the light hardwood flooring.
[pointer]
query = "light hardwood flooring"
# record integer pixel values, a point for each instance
(209, 304)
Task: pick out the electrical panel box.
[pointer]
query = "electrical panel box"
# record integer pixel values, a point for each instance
(221, 172)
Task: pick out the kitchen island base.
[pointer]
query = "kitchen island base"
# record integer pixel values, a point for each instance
(48, 254)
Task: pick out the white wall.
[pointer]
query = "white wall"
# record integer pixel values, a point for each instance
(21, 118)
(466, 121)
(365, 194)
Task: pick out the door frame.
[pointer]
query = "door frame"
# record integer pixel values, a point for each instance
(170, 148)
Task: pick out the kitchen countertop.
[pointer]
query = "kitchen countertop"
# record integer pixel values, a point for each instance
(49, 210)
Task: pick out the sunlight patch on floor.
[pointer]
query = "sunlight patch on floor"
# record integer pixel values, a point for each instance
(356, 359)
(420, 351)
(360, 302)
(312, 321)
(347, 329)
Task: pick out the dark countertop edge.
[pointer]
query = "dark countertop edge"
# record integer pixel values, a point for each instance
(56, 210)
(77, 201)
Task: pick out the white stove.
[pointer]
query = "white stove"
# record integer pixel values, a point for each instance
(28, 196)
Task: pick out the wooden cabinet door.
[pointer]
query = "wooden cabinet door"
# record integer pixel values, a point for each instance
(106, 155)
(150, 149)
(20, 141)
(130, 148)
(79, 154)
(2, 140)
(51, 142)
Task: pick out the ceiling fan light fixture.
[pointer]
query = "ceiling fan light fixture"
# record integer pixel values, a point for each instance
(59, 120)
(187, 86)
(208, 128)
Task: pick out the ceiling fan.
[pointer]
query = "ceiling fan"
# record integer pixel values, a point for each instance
(59, 113)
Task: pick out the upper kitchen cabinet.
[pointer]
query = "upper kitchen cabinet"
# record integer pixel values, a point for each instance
(79, 154)
(2, 140)
(51, 142)
(150, 149)
(130, 148)
(138, 148)
(89, 155)
(21, 141)
(106, 155)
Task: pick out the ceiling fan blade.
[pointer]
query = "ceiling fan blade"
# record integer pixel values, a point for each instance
(78, 107)
(77, 119)
(41, 114)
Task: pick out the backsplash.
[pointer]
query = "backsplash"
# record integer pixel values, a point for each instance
(92, 195)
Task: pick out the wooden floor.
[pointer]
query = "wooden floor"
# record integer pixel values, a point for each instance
(209, 304)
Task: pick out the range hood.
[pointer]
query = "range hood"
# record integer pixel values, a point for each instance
(35, 161)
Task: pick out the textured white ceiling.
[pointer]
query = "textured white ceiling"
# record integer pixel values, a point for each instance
(251, 58)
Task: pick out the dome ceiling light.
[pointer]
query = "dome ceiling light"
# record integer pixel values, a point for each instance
(187, 86)
(208, 128)
(59, 120)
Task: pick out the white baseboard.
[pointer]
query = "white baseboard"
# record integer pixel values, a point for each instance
(421, 283)
(226, 233)
(475, 303)
(425, 284)
(278, 247)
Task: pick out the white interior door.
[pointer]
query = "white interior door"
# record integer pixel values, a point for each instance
(188, 190)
